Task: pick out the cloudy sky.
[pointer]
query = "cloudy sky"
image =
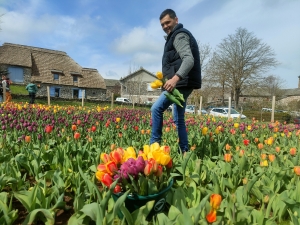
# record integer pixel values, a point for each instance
(118, 36)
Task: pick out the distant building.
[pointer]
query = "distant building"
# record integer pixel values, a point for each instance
(46, 67)
(136, 86)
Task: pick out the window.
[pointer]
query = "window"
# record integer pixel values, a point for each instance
(15, 74)
(75, 79)
(55, 91)
(55, 76)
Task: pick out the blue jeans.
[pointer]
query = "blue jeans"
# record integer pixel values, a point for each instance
(157, 112)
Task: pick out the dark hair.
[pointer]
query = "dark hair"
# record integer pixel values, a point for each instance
(169, 12)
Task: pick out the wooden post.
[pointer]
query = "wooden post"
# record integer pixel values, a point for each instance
(200, 106)
(48, 94)
(112, 99)
(229, 107)
(83, 96)
(4, 91)
(273, 109)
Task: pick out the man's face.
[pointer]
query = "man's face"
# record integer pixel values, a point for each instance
(167, 23)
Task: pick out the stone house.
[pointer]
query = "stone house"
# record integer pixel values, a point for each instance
(50, 68)
(112, 86)
(136, 86)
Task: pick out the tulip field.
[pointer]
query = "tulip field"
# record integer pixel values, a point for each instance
(236, 172)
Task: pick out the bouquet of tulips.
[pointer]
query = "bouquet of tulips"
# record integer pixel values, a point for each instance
(144, 173)
(174, 96)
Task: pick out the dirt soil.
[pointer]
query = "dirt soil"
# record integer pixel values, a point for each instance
(62, 216)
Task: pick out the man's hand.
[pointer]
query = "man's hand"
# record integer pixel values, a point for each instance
(170, 84)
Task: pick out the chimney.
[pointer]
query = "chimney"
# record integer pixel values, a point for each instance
(299, 82)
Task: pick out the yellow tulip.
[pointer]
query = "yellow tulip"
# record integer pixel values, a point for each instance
(159, 83)
(159, 75)
(154, 85)
(236, 125)
(204, 130)
(146, 149)
(154, 146)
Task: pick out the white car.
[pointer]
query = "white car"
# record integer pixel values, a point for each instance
(123, 100)
(191, 109)
(223, 112)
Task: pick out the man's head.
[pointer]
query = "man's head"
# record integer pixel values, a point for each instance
(168, 20)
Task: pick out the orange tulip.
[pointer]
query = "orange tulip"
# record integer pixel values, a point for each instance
(167, 129)
(272, 157)
(215, 201)
(293, 151)
(263, 156)
(74, 127)
(111, 167)
(227, 157)
(277, 149)
(260, 145)
(297, 170)
(78, 122)
(241, 153)
(105, 157)
(27, 139)
(227, 147)
(116, 156)
(102, 168)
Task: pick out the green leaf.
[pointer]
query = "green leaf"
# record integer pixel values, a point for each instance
(32, 216)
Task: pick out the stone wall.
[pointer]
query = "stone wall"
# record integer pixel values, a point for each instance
(66, 92)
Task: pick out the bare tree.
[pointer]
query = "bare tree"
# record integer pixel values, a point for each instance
(273, 85)
(242, 59)
(205, 54)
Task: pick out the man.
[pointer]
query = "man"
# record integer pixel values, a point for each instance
(32, 90)
(181, 66)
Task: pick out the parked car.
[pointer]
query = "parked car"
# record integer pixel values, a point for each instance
(148, 103)
(191, 109)
(297, 120)
(223, 112)
(123, 100)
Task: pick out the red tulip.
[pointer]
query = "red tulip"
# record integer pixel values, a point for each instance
(246, 142)
(93, 129)
(211, 216)
(106, 179)
(48, 129)
(76, 135)
(148, 169)
(170, 164)
(117, 189)
(159, 171)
